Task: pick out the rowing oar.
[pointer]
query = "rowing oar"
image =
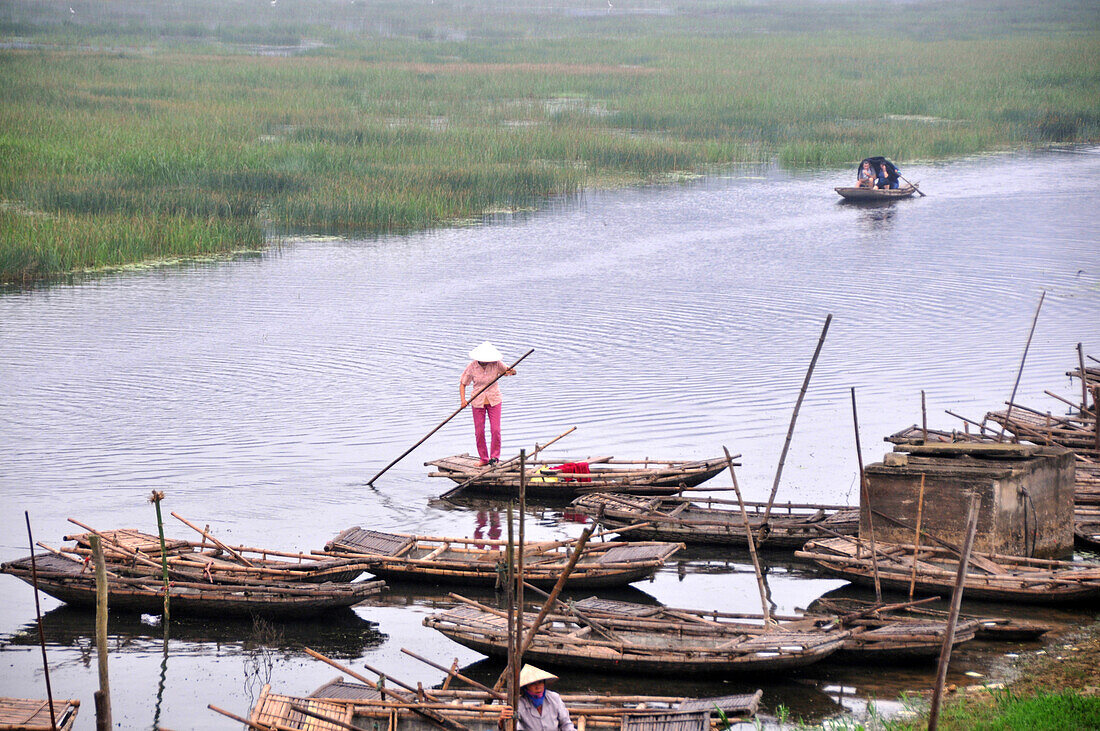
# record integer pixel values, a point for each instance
(913, 186)
(453, 415)
(504, 465)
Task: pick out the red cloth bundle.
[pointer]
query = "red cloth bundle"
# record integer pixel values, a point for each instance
(574, 468)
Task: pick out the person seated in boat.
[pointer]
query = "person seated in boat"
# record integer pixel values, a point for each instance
(886, 178)
(866, 176)
(539, 709)
(485, 365)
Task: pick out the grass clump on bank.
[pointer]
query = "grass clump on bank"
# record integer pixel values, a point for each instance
(409, 115)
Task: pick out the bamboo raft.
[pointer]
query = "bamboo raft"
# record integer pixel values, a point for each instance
(404, 557)
(988, 628)
(72, 581)
(25, 714)
(606, 474)
(617, 642)
(714, 521)
(990, 576)
(133, 553)
(365, 706)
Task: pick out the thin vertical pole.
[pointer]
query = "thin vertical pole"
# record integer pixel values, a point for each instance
(923, 417)
(794, 417)
(522, 548)
(1084, 381)
(916, 538)
(752, 542)
(155, 499)
(38, 615)
(103, 695)
(866, 499)
(513, 685)
(953, 615)
(1020, 372)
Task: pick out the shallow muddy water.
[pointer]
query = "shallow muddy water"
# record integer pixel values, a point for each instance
(261, 395)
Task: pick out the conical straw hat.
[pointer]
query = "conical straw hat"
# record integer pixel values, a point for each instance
(530, 674)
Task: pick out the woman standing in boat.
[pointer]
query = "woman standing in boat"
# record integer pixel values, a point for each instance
(486, 364)
(539, 709)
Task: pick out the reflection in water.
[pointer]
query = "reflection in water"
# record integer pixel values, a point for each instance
(878, 216)
(162, 680)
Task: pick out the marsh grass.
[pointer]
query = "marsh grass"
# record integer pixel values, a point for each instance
(410, 115)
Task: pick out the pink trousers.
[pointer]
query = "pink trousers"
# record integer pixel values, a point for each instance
(494, 431)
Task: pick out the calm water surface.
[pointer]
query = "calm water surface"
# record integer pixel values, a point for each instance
(261, 394)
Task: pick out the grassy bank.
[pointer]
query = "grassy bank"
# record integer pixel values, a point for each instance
(135, 120)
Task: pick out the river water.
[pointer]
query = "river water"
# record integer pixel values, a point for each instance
(260, 395)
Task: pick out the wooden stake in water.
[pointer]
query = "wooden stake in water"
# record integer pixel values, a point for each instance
(790, 429)
(155, 499)
(1020, 372)
(453, 415)
(916, 538)
(509, 596)
(1084, 381)
(953, 615)
(103, 695)
(38, 615)
(866, 499)
(923, 418)
(519, 570)
(752, 542)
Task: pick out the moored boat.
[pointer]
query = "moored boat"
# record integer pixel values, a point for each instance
(713, 521)
(853, 193)
(566, 479)
(441, 560)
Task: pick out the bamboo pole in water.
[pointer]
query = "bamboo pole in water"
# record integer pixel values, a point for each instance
(866, 498)
(1020, 372)
(103, 695)
(155, 498)
(520, 561)
(916, 538)
(38, 617)
(953, 615)
(453, 415)
(1084, 380)
(794, 417)
(752, 543)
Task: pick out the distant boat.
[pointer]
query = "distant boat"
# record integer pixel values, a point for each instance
(855, 193)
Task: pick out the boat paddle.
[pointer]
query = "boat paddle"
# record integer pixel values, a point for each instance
(910, 184)
(453, 415)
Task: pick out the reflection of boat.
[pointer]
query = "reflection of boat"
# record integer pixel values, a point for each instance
(341, 633)
(27, 714)
(853, 193)
(636, 643)
(475, 561)
(566, 479)
(713, 521)
(68, 580)
(989, 576)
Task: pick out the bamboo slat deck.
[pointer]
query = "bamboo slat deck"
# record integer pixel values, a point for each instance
(988, 628)
(72, 582)
(712, 521)
(473, 561)
(134, 553)
(1072, 433)
(632, 645)
(990, 576)
(365, 707)
(606, 474)
(917, 435)
(26, 714)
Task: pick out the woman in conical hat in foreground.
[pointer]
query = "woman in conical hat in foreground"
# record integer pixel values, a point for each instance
(485, 364)
(539, 709)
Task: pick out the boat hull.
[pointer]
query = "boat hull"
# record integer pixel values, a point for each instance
(876, 194)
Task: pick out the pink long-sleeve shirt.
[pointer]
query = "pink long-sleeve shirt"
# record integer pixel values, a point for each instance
(478, 377)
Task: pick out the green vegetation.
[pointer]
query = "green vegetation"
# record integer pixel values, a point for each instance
(137, 123)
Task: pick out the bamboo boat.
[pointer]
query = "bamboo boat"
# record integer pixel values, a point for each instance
(617, 642)
(404, 557)
(69, 580)
(866, 195)
(713, 521)
(1086, 526)
(545, 479)
(26, 714)
(990, 576)
(134, 553)
(987, 628)
(364, 706)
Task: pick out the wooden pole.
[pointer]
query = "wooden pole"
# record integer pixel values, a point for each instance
(455, 674)
(752, 543)
(953, 615)
(923, 417)
(866, 498)
(520, 561)
(38, 615)
(155, 499)
(916, 538)
(1020, 372)
(510, 670)
(453, 415)
(794, 417)
(1084, 381)
(207, 534)
(503, 465)
(103, 695)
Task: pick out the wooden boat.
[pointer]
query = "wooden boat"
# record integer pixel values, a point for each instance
(406, 557)
(1086, 526)
(718, 522)
(364, 706)
(616, 642)
(1005, 629)
(872, 638)
(990, 576)
(26, 714)
(548, 481)
(853, 193)
(70, 581)
(134, 553)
